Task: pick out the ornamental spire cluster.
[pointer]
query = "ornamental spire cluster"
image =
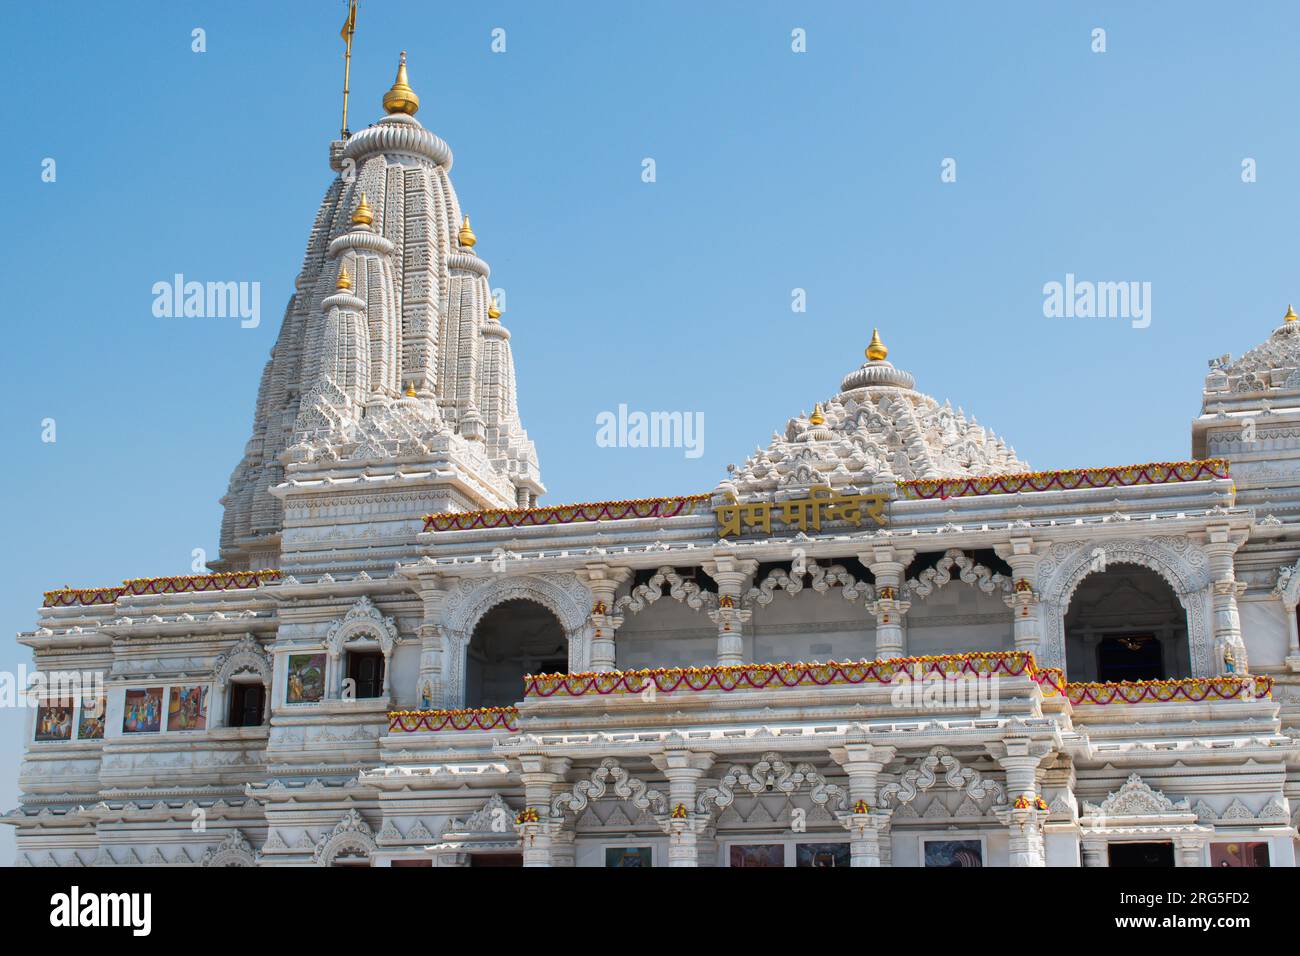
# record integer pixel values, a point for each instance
(391, 357)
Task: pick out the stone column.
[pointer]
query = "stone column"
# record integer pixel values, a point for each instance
(541, 776)
(887, 566)
(433, 587)
(868, 825)
(733, 577)
(683, 823)
(1020, 757)
(1023, 599)
(1293, 636)
(1229, 649)
(1190, 850)
(1094, 852)
(603, 581)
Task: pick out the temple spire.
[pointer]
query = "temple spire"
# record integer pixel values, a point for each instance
(400, 98)
(876, 351)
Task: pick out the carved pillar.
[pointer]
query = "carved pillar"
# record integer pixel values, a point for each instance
(455, 645)
(1190, 850)
(1020, 757)
(1023, 599)
(683, 823)
(887, 566)
(1293, 636)
(868, 825)
(429, 688)
(541, 776)
(1094, 852)
(733, 577)
(603, 581)
(1229, 649)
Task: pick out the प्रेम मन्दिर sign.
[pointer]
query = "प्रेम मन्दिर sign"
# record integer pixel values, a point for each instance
(802, 513)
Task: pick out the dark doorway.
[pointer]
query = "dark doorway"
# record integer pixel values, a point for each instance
(515, 638)
(246, 705)
(366, 669)
(496, 859)
(1130, 657)
(1141, 854)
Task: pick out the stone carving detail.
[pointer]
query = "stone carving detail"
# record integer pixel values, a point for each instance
(879, 428)
(1174, 557)
(922, 776)
(563, 594)
(246, 655)
(351, 836)
(931, 579)
(625, 786)
(820, 580)
(1135, 799)
(234, 850)
(771, 774)
(679, 589)
(363, 619)
(1288, 584)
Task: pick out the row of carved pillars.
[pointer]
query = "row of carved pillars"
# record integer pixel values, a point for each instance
(592, 646)
(548, 841)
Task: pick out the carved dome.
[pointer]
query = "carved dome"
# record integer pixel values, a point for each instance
(878, 428)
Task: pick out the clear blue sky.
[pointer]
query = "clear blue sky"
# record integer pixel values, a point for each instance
(774, 171)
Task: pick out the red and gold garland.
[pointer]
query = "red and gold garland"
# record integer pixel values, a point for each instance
(761, 676)
(482, 718)
(565, 514)
(1152, 473)
(758, 676)
(224, 581)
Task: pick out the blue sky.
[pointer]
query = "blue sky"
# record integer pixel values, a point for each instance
(775, 171)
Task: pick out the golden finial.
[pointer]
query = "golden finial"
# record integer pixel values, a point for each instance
(363, 215)
(1290, 314)
(410, 389)
(876, 351)
(401, 98)
(467, 237)
(817, 418)
(345, 280)
(493, 311)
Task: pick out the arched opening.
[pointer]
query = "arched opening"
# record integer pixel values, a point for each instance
(1125, 623)
(515, 638)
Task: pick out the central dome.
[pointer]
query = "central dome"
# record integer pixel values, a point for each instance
(877, 429)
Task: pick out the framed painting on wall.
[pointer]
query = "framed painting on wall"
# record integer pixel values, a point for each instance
(1251, 854)
(187, 708)
(758, 854)
(630, 856)
(954, 853)
(142, 711)
(306, 679)
(54, 721)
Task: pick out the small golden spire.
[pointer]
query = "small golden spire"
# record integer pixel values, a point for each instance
(1290, 314)
(493, 311)
(363, 215)
(401, 98)
(410, 390)
(817, 418)
(876, 351)
(467, 237)
(345, 280)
